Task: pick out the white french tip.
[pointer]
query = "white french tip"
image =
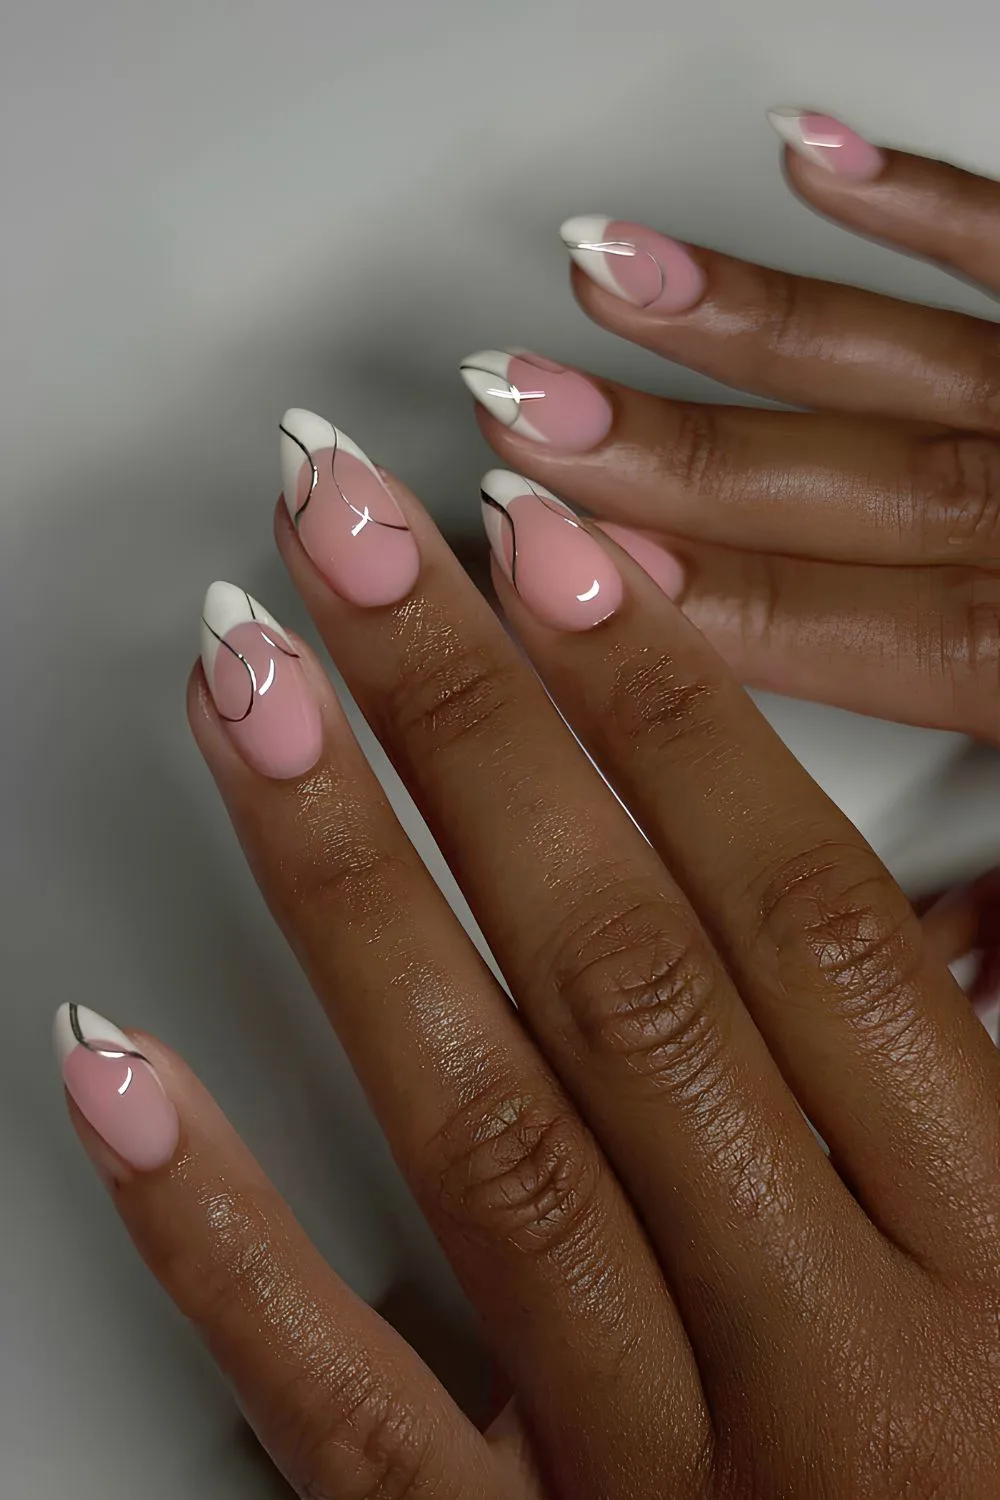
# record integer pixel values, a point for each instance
(301, 429)
(586, 229)
(786, 121)
(94, 1028)
(487, 375)
(503, 485)
(225, 607)
(583, 236)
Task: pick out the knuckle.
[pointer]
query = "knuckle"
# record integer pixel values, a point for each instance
(694, 456)
(982, 400)
(212, 1277)
(970, 651)
(962, 510)
(651, 702)
(638, 985)
(787, 319)
(452, 694)
(517, 1169)
(342, 864)
(833, 913)
(346, 1438)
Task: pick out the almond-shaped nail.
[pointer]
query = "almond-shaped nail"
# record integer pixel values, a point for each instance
(255, 676)
(346, 518)
(539, 399)
(560, 571)
(827, 143)
(115, 1088)
(636, 263)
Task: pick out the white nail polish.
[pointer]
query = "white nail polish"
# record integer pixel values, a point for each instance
(786, 120)
(586, 239)
(501, 486)
(487, 375)
(225, 607)
(75, 1024)
(304, 434)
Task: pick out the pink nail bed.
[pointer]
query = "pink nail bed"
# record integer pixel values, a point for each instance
(828, 143)
(115, 1089)
(539, 399)
(345, 516)
(645, 268)
(562, 573)
(258, 686)
(662, 566)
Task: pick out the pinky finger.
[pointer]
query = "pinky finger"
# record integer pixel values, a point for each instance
(343, 1406)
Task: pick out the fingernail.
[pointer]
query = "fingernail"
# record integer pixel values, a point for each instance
(634, 262)
(662, 566)
(562, 573)
(256, 680)
(115, 1088)
(539, 399)
(348, 521)
(827, 143)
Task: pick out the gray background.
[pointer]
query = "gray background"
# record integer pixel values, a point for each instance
(214, 210)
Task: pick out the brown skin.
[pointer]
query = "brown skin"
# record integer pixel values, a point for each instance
(850, 554)
(688, 1297)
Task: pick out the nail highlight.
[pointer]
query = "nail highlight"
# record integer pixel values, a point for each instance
(348, 522)
(562, 573)
(115, 1088)
(539, 399)
(827, 143)
(633, 262)
(256, 680)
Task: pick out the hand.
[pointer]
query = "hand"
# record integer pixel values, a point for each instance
(850, 554)
(689, 1298)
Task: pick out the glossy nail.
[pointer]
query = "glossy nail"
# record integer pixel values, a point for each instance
(115, 1088)
(347, 520)
(539, 399)
(562, 573)
(827, 143)
(634, 262)
(257, 683)
(662, 566)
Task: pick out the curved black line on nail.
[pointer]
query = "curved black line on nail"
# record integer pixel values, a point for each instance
(504, 514)
(250, 673)
(315, 473)
(77, 1030)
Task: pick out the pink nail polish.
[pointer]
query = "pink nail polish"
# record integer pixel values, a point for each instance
(345, 516)
(562, 573)
(115, 1089)
(827, 143)
(539, 399)
(662, 566)
(258, 685)
(636, 263)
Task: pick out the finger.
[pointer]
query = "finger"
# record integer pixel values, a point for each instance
(511, 1181)
(965, 922)
(916, 645)
(815, 485)
(876, 1040)
(929, 208)
(787, 337)
(615, 978)
(339, 1401)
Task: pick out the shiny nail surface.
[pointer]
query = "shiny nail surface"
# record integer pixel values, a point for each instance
(255, 676)
(539, 399)
(115, 1089)
(827, 143)
(666, 571)
(636, 263)
(560, 571)
(345, 516)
